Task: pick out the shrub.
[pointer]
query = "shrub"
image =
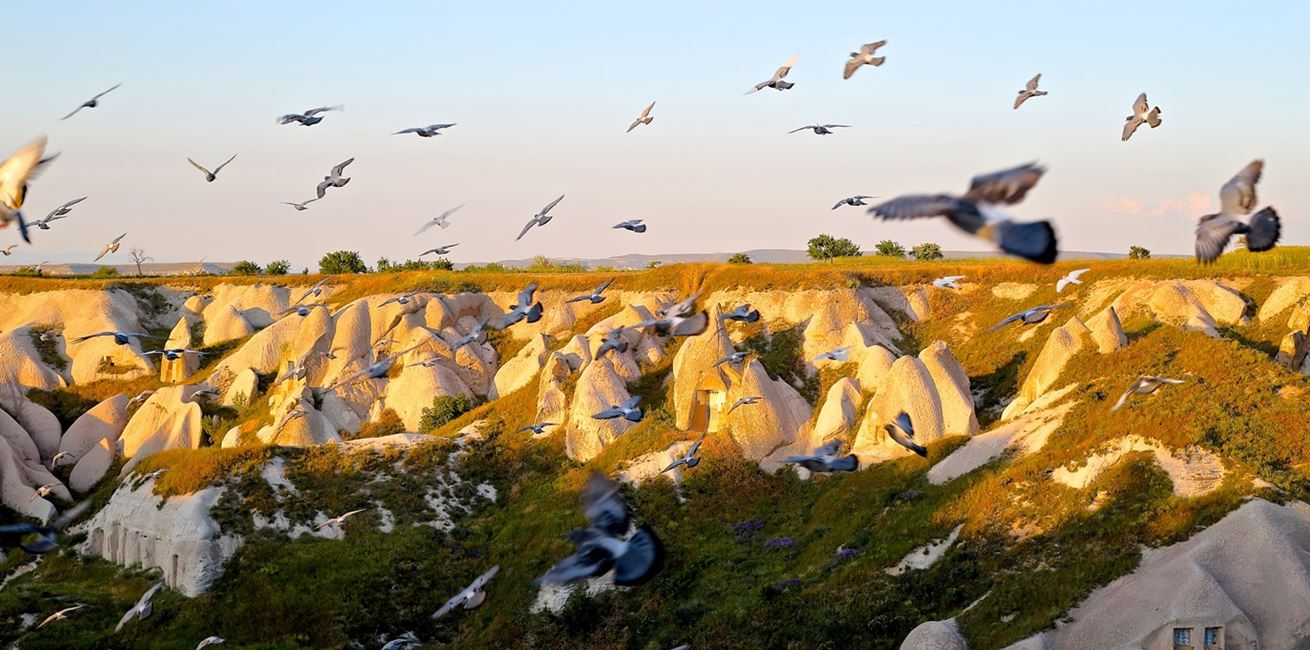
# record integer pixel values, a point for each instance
(827, 247)
(1138, 253)
(47, 347)
(105, 272)
(338, 262)
(245, 267)
(889, 248)
(444, 409)
(387, 424)
(440, 264)
(278, 267)
(740, 258)
(927, 252)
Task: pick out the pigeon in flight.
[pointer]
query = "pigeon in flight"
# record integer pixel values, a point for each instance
(678, 319)
(140, 397)
(43, 491)
(744, 401)
(58, 213)
(472, 596)
(1030, 316)
(111, 247)
(605, 543)
(210, 640)
(613, 341)
(301, 310)
(522, 308)
(335, 179)
(402, 642)
(121, 338)
(858, 199)
(1237, 199)
(1030, 90)
(212, 176)
(1069, 278)
(142, 608)
(90, 103)
(1144, 385)
(634, 225)
(689, 459)
(742, 314)
(840, 354)
(474, 335)
(541, 218)
(538, 429)
(864, 57)
(54, 460)
(627, 410)
(174, 354)
(821, 129)
(645, 118)
(440, 221)
(336, 522)
(595, 296)
(977, 212)
(46, 535)
(776, 81)
(309, 117)
(59, 615)
(402, 299)
(425, 131)
(300, 207)
(15, 172)
(377, 369)
(440, 250)
(315, 291)
(734, 359)
(1142, 112)
(948, 282)
(8, 250)
(825, 459)
(902, 431)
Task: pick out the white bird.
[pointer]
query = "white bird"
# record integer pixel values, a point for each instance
(776, 81)
(821, 129)
(1069, 278)
(1031, 316)
(1237, 199)
(425, 131)
(745, 401)
(523, 308)
(948, 282)
(1030, 90)
(212, 176)
(472, 596)
(606, 544)
(210, 640)
(634, 225)
(628, 410)
(541, 218)
(15, 172)
(90, 103)
(338, 521)
(858, 199)
(300, 207)
(1144, 385)
(595, 296)
(111, 247)
(1142, 112)
(689, 458)
(645, 118)
(315, 291)
(864, 57)
(825, 459)
(901, 430)
(59, 615)
(42, 491)
(733, 359)
(54, 460)
(309, 117)
(474, 335)
(377, 369)
(839, 355)
(142, 608)
(335, 179)
(440, 221)
(140, 398)
(153, 475)
(440, 250)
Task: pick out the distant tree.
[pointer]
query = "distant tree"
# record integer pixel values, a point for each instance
(740, 258)
(304, 271)
(926, 252)
(106, 272)
(1138, 253)
(338, 262)
(889, 248)
(278, 267)
(441, 264)
(444, 409)
(652, 264)
(139, 257)
(827, 247)
(245, 267)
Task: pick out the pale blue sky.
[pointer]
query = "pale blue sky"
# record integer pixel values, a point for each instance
(542, 96)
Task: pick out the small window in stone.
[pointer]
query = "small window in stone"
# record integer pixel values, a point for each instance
(1182, 636)
(1213, 635)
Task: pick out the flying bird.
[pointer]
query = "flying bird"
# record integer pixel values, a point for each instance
(1069, 278)
(840, 354)
(46, 534)
(140, 397)
(541, 218)
(402, 642)
(977, 212)
(613, 341)
(300, 207)
(1142, 112)
(440, 250)
(634, 225)
(402, 299)
(425, 131)
(734, 359)
(522, 308)
(58, 213)
(15, 172)
(1237, 199)
(210, 640)
(1029, 90)
(742, 313)
(54, 460)
(858, 199)
(901, 430)
(315, 291)
(1144, 385)
(59, 615)
(689, 458)
(142, 609)
(336, 522)
(212, 176)
(744, 401)
(821, 129)
(538, 429)
(864, 57)
(825, 459)
(627, 410)
(606, 544)
(474, 335)
(377, 369)
(111, 247)
(776, 81)
(1031, 316)
(644, 118)
(8, 250)
(472, 596)
(948, 282)
(440, 221)
(679, 319)
(43, 491)
(90, 103)
(595, 296)
(301, 310)
(121, 338)
(335, 179)
(309, 117)
(174, 354)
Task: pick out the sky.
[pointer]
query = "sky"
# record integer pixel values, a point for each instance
(543, 92)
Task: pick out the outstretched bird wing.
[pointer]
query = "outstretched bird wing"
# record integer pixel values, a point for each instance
(1007, 186)
(1237, 197)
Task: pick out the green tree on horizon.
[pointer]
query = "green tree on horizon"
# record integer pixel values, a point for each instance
(927, 252)
(339, 262)
(1138, 253)
(827, 247)
(889, 248)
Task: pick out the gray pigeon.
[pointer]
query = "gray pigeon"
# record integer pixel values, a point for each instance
(474, 335)
(58, 213)
(821, 129)
(839, 355)
(689, 458)
(902, 431)
(595, 296)
(606, 544)
(825, 459)
(858, 199)
(90, 103)
(523, 308)
(644, 118)
(743, 314)
(734, 359)
(121, 338)
(541, 218)
(679, 319)
(1237, 199)
(1144, 385)
(309, 117)
(141, 609)
(613, 341)
(633, 225)
(335, 179)
(425, 131)
(211, 176)
(628, 410)
(776, 81)
(472, 596)
(1030, 316)
(538, 429)
(744, 401)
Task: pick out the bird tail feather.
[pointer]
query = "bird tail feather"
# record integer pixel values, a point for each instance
(845, 464)
(1263, 232)
(1034, 241)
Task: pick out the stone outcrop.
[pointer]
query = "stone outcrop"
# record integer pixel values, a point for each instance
(258, 305)
(167, 420)
(781, 417)
(243, 390)
(1193, 471)
(20, 363)
(415, 388)
(104, 421)
(521, 369)
(908, 387)
(1063, 343)
(92, 466)
(935, 635)
(82, 312)
(952, 383)
(226, 324)
(837, 415)
(599, 388)
(1107, 332)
